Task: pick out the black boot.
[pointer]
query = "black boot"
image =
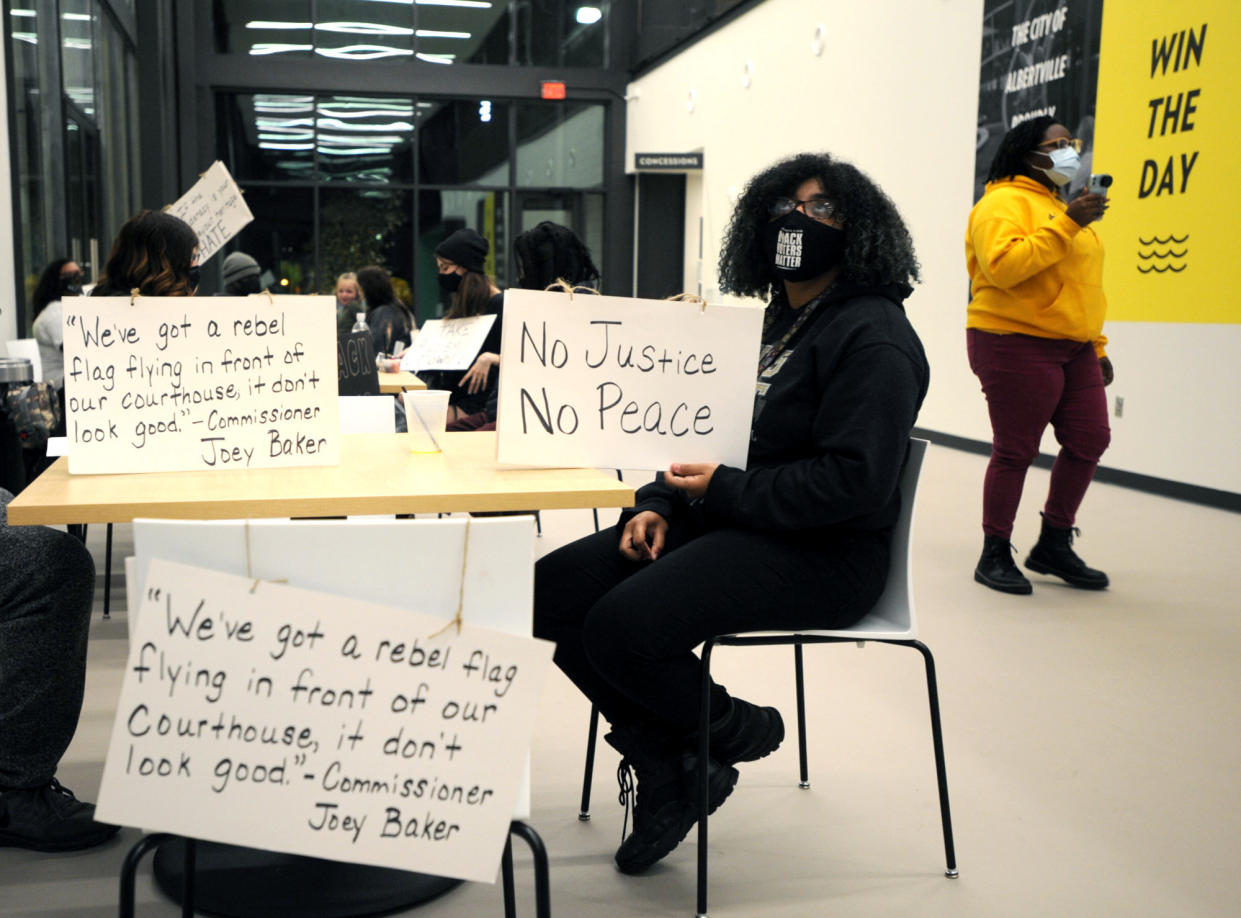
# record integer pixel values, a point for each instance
(745, 733)
(663, 801)
(997, 570)
(1054, 555)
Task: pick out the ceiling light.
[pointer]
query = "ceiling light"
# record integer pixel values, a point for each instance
(588, 15)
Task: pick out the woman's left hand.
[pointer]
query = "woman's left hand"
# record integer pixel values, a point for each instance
(475, 379)
(691, 477)
(1108, 373)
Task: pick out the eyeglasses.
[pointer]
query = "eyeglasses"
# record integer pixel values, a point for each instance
(816, 208)
(1061, 142)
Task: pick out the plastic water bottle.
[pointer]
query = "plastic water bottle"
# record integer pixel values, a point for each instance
(360, 325)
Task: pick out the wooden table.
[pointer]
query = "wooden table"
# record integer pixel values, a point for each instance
(377, 474)
(393, 383)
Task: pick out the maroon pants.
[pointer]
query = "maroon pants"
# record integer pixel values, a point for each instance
(1031, 382)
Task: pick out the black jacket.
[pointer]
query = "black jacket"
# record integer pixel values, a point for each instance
(831, 430)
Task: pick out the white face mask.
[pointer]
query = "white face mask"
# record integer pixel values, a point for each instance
(1064, 165)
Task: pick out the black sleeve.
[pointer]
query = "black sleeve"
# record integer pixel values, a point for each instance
(860, 432)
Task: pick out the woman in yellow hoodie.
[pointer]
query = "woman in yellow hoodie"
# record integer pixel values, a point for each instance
(1035, 341)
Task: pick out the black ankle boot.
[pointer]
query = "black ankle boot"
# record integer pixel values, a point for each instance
(745, 733)
(997, 570)
(1054, 555)
(663, 801)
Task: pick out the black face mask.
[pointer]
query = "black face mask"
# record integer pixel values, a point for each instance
(450, 282)
(194, 275)
(71, 284)
(800, 248)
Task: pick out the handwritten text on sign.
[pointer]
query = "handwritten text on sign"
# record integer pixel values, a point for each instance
(214, 209)
(303, 722)
(601, 381)
(185, 383)
(447, 344)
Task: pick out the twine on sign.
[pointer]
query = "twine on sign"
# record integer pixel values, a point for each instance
(270, 299)
(563, 286)
(249, 570)
(133, 295)
(689, 298)
(465, 557)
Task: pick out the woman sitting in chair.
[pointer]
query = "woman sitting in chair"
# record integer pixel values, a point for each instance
(796, 540)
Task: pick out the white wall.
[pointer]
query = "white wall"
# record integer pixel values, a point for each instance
(8, 277)
(895, 91)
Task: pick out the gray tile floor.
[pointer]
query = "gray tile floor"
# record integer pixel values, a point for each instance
(1092, 744)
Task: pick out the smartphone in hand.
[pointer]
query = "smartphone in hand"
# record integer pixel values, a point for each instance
(1099, 184)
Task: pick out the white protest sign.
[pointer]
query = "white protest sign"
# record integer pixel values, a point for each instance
(186, 383)
(447, 344)
(298, 721)
(214, 209)
(601, 381)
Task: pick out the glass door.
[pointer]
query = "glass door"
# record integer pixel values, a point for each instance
(82, 189)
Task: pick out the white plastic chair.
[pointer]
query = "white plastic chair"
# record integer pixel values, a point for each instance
(891, 621)
(27, 348)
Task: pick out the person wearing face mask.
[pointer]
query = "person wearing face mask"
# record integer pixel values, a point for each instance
(61, 278)
(798, 539)
(460, 260)
(154, 253)
(1035, 340)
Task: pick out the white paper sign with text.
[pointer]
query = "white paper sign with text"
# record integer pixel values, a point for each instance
(447, 344)
(298, 721)
(192, 383)
(214, 208)
(612, 382)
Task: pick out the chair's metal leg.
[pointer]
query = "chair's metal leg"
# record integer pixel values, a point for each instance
(129, 871)
(538, 524)
(107, 575)
(941, 773)
(595, 511)
(704, 752)
(506, 876)
(593, 731)
(542, 876)
(804, 783)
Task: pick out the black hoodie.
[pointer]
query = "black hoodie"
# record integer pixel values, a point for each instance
(832, 420)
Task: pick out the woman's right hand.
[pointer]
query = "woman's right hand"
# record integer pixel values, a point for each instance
(1086, 207)
(643, 536)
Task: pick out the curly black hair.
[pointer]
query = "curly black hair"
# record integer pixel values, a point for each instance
(48, 288)
(1010, 159)
(878, 247)
(552, 252)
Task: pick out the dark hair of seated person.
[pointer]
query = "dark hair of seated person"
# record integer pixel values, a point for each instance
(152, 254)
(550, 252)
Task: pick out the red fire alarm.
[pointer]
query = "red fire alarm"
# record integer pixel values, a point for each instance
(553, 89)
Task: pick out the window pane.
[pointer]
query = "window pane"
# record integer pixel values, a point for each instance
(280, 239)
(264, 27)
(268, 136)
(562, 33)
(559, 144)
(442, 213)
(358, 228)
(364, 139)
(118, 124)
(361, 30)
(77, 52)
(476, 32)
(463, 143)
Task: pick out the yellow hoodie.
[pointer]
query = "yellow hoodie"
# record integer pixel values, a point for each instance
(1033, 269)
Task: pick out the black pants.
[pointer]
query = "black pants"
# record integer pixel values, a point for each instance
(625, 631)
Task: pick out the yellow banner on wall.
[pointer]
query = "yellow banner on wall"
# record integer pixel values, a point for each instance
(1168, 132)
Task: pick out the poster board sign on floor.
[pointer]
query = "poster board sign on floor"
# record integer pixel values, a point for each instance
(300, 721)
(159, 384)
(614, 382)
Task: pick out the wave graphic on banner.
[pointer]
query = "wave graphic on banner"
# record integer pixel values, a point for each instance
(1153, 259)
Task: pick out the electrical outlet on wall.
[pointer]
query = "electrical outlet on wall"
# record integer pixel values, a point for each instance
(1119, 410)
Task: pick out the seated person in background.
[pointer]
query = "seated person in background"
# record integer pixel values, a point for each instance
(154, 253)
(47, 585)
(544, 255)
(391, 322)
(799, 539)
(61, 278)
(348, 303)
(461, 259)
(241, 274)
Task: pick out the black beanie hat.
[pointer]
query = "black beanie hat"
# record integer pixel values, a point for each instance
(465, 248)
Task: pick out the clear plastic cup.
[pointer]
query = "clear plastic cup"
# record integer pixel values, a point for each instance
(426, 417)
